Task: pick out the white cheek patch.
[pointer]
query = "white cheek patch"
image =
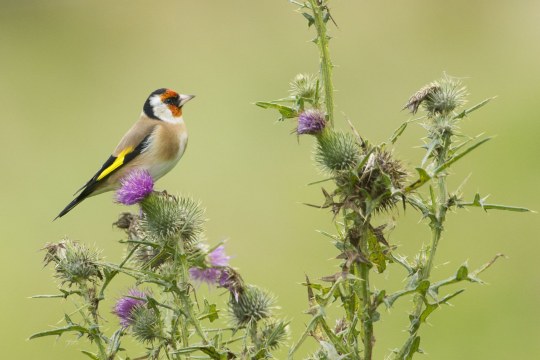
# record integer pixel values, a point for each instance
(162, 111)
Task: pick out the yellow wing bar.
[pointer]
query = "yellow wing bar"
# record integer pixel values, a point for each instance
(119, 161)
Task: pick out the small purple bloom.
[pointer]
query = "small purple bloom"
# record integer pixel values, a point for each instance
(311, 122)
(125, 305)
(137, 185)
(208, 275)
(218, 257)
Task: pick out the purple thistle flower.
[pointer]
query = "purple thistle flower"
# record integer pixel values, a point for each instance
(218, 257)
(125, 305)
(137, 185)
(311, 122)
(209, 275)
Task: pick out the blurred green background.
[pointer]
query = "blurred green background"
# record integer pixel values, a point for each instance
(73, 78)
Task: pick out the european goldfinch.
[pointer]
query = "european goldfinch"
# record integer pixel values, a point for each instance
(154, 143)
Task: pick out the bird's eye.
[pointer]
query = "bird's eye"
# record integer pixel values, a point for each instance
(170, 101)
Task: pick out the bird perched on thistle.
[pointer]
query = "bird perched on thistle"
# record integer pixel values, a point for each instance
(154, 144)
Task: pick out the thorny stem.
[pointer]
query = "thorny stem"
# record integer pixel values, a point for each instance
(326, 64)
(93, 319)
(437, 226)
(366, 313)
(184, 295)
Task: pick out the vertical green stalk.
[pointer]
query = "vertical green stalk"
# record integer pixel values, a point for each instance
(436, 226)
(326, 64)
(363, 272)
(183, 293)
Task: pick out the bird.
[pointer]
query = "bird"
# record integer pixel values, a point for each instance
(155, 143)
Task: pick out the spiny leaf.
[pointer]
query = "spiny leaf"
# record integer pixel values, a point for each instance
(423, 177)
(470, 110)
(480, 202)
(75, 328)
(285, 111)
(455, 158)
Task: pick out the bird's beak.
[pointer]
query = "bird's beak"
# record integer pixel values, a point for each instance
(185, 98)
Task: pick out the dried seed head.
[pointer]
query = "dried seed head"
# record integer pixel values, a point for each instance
(376, 182)
(74, 262)
(414, 102)
(439, 97)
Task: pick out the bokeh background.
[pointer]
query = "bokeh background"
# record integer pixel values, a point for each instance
(74, 75)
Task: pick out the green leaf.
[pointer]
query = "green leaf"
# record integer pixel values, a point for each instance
(69, 328)
(412, 347)
(470, 110)
(285, 111)
(309, 18)
(462, 273)
(397, 133)
(455, 158)
(481, 202)
(209, 312)
(90, 355)
(209, 350)
(423, 177)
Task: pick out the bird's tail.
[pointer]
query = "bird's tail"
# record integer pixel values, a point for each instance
(83, 195)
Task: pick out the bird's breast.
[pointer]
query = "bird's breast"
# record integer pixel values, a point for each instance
(168, 146)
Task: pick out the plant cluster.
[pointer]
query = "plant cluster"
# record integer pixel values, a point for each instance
(167, 259)
(367, 183)
(364, 183)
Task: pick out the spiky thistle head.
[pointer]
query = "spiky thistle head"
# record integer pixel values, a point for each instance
(169, 217)
(336, 151)
(305, 86)
(376, 184)
(440, 97)
(75, 263)
(126, 305)
(146, 324)
(253, 304)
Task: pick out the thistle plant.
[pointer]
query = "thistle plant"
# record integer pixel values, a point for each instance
(368, 183)
(167, 259)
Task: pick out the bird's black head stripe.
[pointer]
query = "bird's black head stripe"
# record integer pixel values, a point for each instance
(147, 108)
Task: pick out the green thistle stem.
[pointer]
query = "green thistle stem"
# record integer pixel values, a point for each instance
(326, 63)
(365, 311)
(93, 320)
(183, 292)
(437, 227)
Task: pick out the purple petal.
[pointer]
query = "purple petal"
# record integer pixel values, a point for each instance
(125, 305)
(311, 122)
(137, 185)
(209, 275)
(218, 257)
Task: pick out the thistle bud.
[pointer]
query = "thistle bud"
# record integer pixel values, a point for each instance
(304, 86)
(337, 151)
(166, 217)
(253, 304)
(74, 262)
